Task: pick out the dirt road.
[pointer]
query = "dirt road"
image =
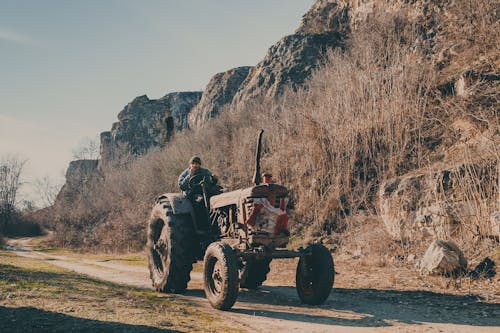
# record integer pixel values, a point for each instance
(276, 308)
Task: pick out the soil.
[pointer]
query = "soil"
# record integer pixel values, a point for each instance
(364, 299)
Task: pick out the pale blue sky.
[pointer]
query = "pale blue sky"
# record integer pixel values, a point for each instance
(68, 67)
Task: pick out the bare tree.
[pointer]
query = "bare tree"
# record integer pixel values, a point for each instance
(87, 149)
(47, 190)
(11, 168)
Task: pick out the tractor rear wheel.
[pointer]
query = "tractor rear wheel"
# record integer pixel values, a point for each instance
(220, 276)
(170, 244)
(256, 273)
(315, 275)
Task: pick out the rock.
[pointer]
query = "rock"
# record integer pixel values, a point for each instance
(326, 16)
(218, 93)
(357, 254)
(495, 224)
(443, 258)
(77, 175)
(433, 203)
(147, 123)
(288, 63)
(79, 170)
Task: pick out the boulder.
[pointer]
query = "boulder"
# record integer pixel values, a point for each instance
(443, 258)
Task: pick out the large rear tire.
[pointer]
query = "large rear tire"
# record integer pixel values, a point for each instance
(170, 244)
(315, 275)
(256, 273)
(220, 276)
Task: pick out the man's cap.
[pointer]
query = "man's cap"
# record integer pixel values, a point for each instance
(195, 159)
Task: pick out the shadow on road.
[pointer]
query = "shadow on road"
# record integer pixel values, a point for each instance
(368, 307)
(27, 319)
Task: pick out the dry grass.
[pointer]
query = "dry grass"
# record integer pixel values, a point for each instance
(57, 300)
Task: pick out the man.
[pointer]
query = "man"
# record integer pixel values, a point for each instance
(193, 169)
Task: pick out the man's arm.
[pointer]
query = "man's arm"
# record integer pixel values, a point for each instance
(184, 180)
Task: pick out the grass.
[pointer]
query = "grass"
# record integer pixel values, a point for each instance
(43, 244)
(57, 300)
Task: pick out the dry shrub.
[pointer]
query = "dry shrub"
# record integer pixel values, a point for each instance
(360, 121)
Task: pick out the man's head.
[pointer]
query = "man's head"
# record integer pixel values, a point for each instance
(195, 163)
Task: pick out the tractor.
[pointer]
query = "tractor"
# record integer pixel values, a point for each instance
(236, 234)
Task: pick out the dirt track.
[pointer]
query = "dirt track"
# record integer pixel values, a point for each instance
(277, 308)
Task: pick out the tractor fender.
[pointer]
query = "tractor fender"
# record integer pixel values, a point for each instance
(178, 201)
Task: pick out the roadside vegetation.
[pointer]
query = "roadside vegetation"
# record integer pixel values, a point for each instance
(379, 110)
(14, 221)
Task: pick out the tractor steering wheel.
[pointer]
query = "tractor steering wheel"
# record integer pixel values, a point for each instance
(196, 180)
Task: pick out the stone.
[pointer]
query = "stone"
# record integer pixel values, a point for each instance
(218, 94)
(288, 63)
(432, 202)
(326, 16)
(495, 224)
(443, 258)
(145, 124)
(78, 174)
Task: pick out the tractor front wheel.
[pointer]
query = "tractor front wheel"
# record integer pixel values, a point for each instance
(315, 275)
(220, 276)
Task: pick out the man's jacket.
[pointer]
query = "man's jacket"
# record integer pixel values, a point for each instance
(184, 177)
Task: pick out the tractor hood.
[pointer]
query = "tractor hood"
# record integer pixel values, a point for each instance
(259, 191)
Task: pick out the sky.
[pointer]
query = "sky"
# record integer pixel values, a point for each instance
(68, 67)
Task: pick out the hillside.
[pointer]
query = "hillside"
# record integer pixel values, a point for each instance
(382, 117)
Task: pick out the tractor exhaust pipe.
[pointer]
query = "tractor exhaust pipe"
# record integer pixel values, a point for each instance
(256, 177)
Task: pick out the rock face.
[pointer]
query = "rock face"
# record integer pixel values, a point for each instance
(434, 201)
(145, 124)
(218, 93)
(78, 173)
(290, 62)
(432, 204)
(326, 16)
(443, 258)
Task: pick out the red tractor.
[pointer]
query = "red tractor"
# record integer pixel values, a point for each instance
(236, 234)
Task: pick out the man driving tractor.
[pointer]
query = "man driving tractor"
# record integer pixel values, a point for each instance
(194, 169)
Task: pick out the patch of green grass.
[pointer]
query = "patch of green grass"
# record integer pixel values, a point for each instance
(53, 299)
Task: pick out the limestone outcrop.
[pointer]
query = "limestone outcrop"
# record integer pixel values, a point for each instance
(288, 63)
(218, 93)
(77, 175)
(146, 123)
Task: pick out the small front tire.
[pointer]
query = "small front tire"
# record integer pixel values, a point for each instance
(315, 275)
(220, 276)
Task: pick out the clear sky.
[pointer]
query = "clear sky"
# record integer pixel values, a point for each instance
(68, 67)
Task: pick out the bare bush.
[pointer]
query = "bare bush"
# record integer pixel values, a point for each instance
(10, 181)
(87, 149)
(47, 190)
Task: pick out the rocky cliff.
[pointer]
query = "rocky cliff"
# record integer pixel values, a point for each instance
(288, 63)
(77, 175)
(147, 123)
(218, 93)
